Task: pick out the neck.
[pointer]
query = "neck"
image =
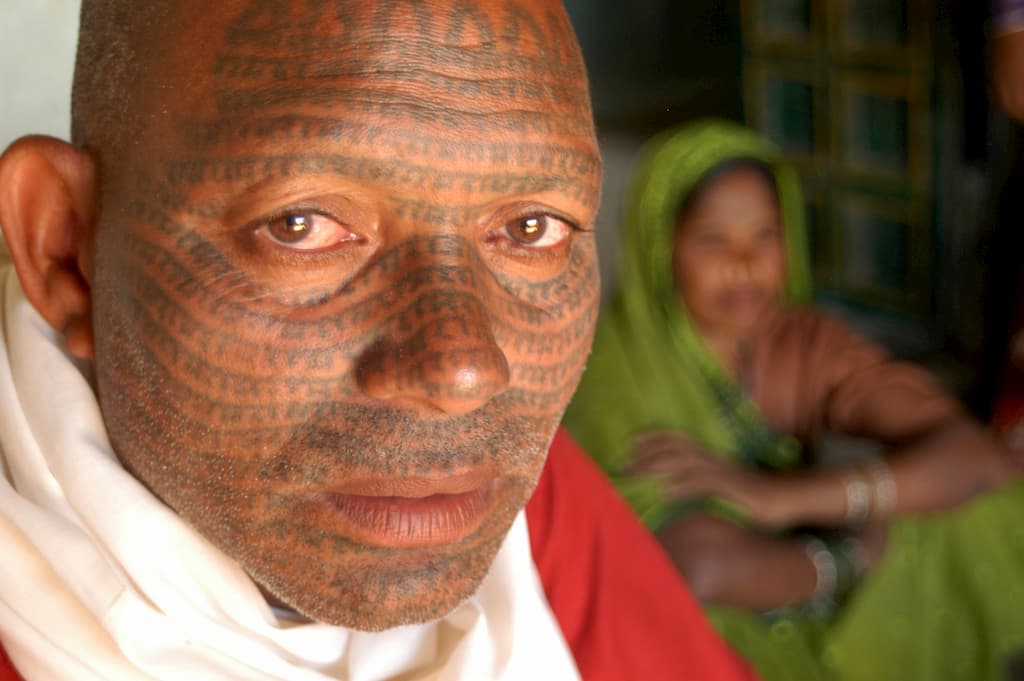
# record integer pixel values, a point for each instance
(728, 349)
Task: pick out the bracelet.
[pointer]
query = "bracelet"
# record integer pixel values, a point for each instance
(883, 487)
(854, 550)
(825, 569)
(870, 492)
(858, 498)
(851, 562)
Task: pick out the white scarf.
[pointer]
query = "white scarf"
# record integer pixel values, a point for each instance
(100, 580)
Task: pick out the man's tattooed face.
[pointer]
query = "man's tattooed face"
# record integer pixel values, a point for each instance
(344, 286)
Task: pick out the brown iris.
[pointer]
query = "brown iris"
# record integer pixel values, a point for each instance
(528, 230)
(291, 229)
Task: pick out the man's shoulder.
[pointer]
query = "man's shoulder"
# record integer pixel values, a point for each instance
(7, 671)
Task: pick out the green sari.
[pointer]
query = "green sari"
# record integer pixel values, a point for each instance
(648, 360)
(947, 600)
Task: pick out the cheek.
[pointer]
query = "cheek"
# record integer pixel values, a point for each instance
(545, 329)
(212, 361)
(197, 386)
(774, 270)
(697, 282)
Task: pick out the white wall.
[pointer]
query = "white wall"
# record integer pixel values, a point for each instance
(37, 52)
(37, 55)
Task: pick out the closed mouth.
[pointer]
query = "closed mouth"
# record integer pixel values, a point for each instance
(429, 513)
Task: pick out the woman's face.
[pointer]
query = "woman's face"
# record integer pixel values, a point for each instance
(729, 261)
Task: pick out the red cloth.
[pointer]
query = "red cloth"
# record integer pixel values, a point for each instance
(1008, 425)
(622, 606)
(7, 672)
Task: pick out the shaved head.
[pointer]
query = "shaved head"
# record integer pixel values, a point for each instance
(108, 64)
(344, 278)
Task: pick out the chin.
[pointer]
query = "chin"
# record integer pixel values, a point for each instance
(394, 598)
(383, 588)
(746, 323)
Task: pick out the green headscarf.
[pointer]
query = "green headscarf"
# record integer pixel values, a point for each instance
(649, 368)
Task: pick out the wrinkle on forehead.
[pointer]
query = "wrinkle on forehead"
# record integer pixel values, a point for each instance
(366, 89)
(505, 73)
(449, 66)
(456, 55)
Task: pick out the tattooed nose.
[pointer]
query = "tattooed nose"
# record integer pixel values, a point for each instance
(447, 360)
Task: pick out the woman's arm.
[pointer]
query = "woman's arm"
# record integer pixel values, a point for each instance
(816, 374)
(942, 469)
(729, 565)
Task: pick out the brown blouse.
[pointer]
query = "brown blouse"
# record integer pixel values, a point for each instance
(808, 371)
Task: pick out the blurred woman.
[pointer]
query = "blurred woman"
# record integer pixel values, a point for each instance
(709, 383)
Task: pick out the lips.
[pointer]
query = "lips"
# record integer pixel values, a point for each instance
(401, 513)
(743, 298)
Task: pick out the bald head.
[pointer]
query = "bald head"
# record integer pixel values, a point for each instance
(222, 62)
(108, 65)
(342, 278)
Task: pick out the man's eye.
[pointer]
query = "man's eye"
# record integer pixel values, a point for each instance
(538, 231)
(305, 232)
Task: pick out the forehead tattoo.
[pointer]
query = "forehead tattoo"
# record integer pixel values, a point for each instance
(459, 70)
(234, 401)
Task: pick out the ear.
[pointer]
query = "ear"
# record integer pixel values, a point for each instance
(47, 208)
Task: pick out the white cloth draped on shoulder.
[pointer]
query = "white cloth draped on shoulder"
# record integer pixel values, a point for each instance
(100, 581)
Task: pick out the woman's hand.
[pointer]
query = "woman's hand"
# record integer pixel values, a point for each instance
(736, 566)
(690, 471)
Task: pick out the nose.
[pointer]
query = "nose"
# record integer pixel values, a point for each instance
(440, 355)
(741, 265)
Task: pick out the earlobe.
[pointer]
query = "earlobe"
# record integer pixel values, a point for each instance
(47, 208)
